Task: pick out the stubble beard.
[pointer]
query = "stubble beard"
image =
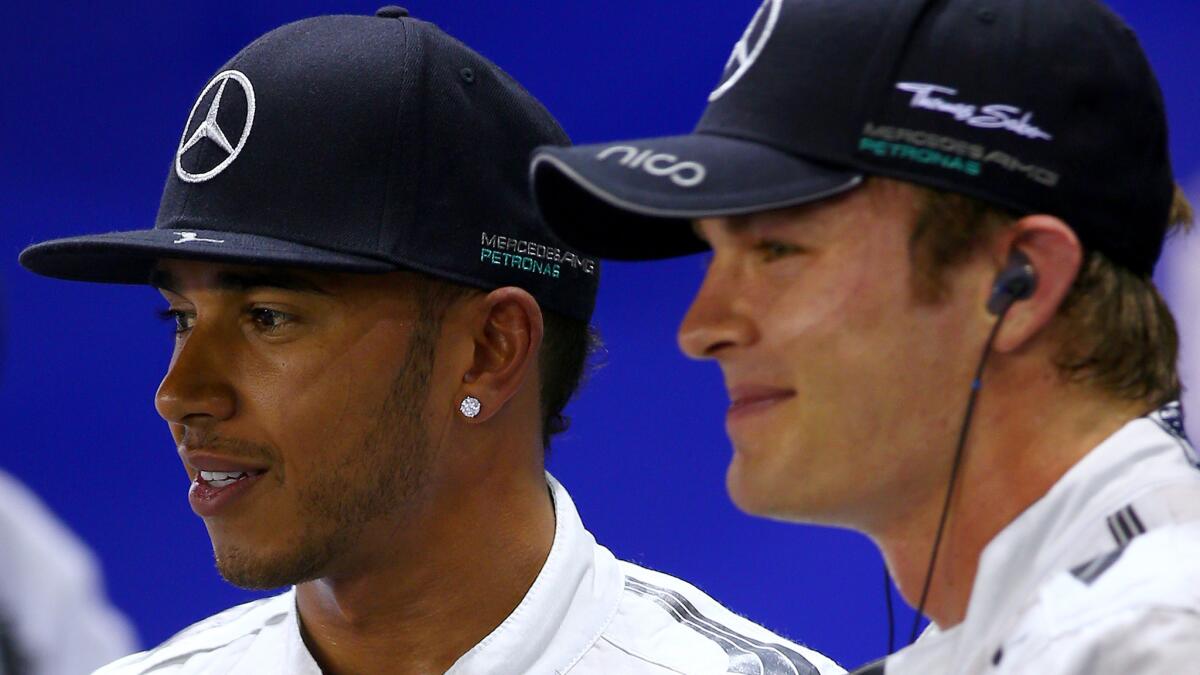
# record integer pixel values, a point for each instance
(389, 469)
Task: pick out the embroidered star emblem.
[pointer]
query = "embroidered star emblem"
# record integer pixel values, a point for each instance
(209, 128)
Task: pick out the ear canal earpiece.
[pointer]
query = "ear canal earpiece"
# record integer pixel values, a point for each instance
(1017, 281)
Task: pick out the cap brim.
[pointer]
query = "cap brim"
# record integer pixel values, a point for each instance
(635, 200)
(129, 257)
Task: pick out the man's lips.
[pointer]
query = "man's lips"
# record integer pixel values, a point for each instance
(202, 461)
(218, 481)
(748, 399)
(213, 497)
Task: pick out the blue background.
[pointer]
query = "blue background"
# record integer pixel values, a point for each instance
(94, 96)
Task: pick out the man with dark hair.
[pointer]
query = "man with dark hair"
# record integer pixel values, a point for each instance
(933, 225)
(375, 337)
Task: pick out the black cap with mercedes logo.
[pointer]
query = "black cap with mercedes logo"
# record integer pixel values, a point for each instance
(1030, 105)
(358, 144)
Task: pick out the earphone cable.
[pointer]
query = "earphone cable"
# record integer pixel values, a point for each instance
(976, 385)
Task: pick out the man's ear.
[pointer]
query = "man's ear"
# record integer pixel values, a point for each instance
(507, 336)
(1056, 256)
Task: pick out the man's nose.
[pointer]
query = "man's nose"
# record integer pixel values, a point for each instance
(196, 386)
(713, 323)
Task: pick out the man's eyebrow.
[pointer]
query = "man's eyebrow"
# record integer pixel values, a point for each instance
(245, 281)
(732, 224)
(743, 222)
(163, 280)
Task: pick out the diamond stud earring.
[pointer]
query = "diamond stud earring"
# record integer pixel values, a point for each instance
(469, 407)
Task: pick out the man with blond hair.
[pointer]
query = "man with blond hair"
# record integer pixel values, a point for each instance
(933, 225)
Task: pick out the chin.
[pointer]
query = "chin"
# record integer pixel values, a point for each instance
(768, 492)
(262, 568)
(748, 494)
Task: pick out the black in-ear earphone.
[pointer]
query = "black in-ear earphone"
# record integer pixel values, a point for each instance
(1017, 281)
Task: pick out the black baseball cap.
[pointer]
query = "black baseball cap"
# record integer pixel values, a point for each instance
(1035, 106)
(359, 144)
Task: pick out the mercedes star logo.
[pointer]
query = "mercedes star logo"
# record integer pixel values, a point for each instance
(747, 50)
(211, 130)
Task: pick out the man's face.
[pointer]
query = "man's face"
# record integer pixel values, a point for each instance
(311, 390)
(845, 390)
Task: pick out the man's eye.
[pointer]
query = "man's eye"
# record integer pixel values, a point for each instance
(774, 250)
(183, 320)
(269, 319)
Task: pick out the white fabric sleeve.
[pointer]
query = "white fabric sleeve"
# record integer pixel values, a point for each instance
(1139, 641)
(52, 597)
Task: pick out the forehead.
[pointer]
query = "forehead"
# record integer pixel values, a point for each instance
(878, 200)
(180, 276)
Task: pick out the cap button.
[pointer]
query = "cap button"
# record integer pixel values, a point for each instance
(391, 12)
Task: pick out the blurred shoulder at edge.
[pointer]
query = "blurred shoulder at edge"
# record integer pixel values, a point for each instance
(55, 618)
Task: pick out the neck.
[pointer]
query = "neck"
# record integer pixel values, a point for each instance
(1022, 440)
(439, 583)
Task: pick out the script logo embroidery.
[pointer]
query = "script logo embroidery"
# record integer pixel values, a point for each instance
(684, 174)
(185, 237)
(211, 130)
(992, 116)
(747, 50)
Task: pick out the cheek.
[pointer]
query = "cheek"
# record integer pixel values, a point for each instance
(318, 403)
(845, 341)
(835, 314)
